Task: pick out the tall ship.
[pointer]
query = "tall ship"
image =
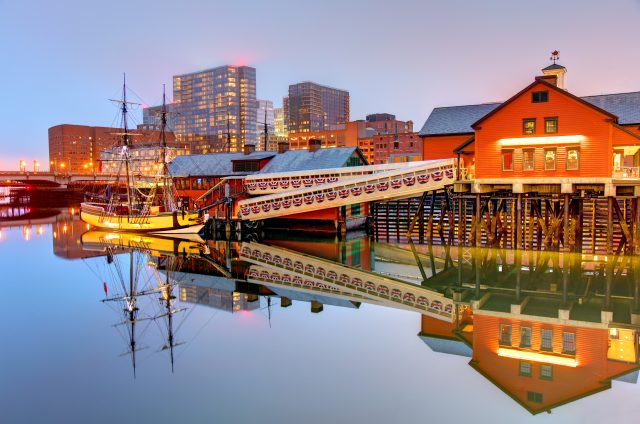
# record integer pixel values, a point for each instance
(137, 201)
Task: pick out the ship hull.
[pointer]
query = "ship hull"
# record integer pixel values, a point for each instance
(164, 223)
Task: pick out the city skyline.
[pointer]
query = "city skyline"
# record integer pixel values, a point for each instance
(416, 62)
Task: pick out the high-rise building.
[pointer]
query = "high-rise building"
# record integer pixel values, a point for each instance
(151, 117)
(279, 122)
(285, 113)
(265, 113)
(315, 107)
(216, 108)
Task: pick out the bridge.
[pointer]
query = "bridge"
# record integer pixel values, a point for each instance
(58, 178)
(287, 268)
(329, 188)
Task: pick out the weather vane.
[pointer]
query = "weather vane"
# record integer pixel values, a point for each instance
(555, 56)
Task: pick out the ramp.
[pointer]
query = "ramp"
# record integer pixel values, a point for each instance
(406, 181)
(296, 270)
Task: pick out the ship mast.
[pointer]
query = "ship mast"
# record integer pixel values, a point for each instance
(125, 141)
(167, 191)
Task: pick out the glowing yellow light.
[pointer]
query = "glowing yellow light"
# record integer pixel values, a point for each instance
(537, 357)
(523, 141)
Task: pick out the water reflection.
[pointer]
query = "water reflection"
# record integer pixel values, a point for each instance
(547, 328)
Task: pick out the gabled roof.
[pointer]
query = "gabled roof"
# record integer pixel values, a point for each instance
(459, 119)
(215, 164)
(455, 119)
(542, 81)
(303, 160)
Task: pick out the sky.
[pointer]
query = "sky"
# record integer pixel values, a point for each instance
(62, 60)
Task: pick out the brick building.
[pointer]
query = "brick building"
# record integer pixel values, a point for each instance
(76, 148)
(378, 137)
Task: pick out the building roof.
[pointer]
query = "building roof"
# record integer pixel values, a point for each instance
(303, 160)
(626, 106)
(221, 164)
(455, 119)
(450, 346)
(553, 66)
(216, 164)
(458, 119)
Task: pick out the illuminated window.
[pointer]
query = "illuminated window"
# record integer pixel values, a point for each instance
(546, 372)
(528, 159)
(573, 159)
(569, 343)
(525, 336)
(546, 339)
(539, 96)
(525, 369)
(505, 334)
(529, 126)
(507, 160)
(551, 125)
(617, 160)
(550, 159)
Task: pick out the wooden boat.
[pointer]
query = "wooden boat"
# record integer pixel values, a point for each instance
(148, 202)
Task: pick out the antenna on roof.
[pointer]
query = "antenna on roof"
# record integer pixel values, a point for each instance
(555, 56)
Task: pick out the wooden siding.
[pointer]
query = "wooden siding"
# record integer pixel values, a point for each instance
(441, 147)
(622, 138)
(574, 118)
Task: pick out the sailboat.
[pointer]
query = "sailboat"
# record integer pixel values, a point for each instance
(148, 204)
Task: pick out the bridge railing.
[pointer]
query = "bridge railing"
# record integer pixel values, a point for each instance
(390, 184)
(282, 181)
(308, 271)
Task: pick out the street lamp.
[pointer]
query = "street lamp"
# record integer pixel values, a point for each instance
(36, 166)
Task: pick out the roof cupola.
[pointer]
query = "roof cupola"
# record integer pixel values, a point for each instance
(556, 70)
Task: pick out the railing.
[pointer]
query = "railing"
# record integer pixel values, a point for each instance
(305, 271)
(627, 172)
(384, 185)
(282, 181)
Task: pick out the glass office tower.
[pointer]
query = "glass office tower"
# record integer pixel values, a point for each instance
(314, 107)
(216, 109)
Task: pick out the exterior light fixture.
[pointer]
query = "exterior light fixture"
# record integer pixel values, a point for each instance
(537, 357)
(524, 141)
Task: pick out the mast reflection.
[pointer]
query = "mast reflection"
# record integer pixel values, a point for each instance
(547, 328)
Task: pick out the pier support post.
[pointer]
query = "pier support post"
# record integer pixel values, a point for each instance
(478, 226)
(609, 225)
(461, 220)
(518, 223)
(565, 224)
(635, 217)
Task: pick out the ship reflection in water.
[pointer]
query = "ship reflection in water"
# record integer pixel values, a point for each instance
(544, 327)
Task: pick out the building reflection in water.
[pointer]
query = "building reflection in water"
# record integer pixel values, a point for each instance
(547, 328)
